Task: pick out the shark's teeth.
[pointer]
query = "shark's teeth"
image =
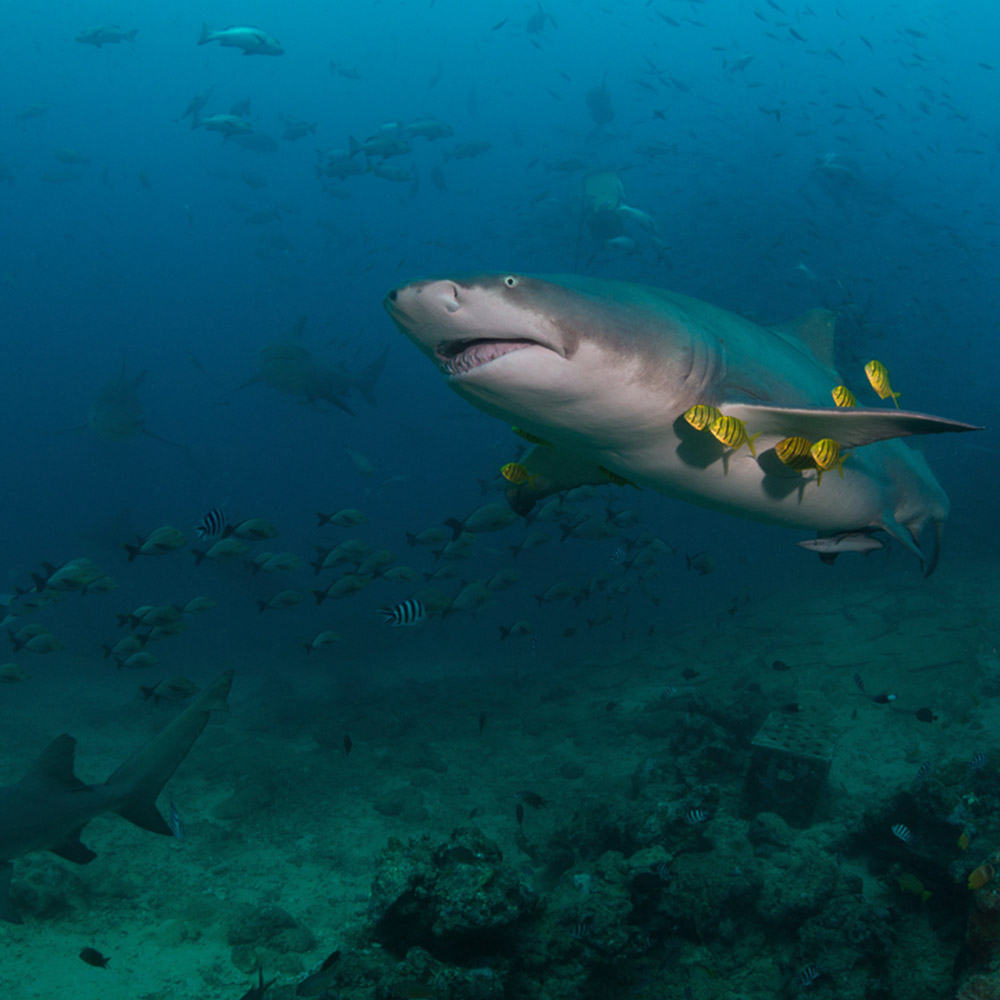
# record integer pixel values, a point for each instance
(481, 352)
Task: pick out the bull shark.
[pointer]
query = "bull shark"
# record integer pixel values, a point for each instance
(117, 411)
(603, 372)
(288, 367)
(49, 807)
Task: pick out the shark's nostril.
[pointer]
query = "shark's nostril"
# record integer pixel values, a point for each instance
(451, 303)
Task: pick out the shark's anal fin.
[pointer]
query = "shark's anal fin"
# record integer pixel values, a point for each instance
(851, 427)
(72, 850)
(7, 909)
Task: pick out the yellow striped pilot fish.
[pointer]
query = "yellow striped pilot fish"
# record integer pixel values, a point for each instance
(732, 432)
(528, 436)
(702, 416)
(910, 883)
(826, 455)
(878, 376)
(613, 477)
(516, 473)
(843, 396)
(795, 452)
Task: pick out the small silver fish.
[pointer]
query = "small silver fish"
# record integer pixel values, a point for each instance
(174, 822)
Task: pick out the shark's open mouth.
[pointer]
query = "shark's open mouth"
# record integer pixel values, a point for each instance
(457, 357)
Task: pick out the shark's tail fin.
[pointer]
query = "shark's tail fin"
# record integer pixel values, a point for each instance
(369, 376)
(138, 781)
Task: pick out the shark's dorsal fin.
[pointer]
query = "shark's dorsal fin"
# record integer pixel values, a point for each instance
(815, 329)
(53, 770)
(72, 850)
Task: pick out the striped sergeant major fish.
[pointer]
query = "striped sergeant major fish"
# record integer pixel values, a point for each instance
(902, 832)
(808, 975)
(213, 524)
(695, 816)
(408, 612)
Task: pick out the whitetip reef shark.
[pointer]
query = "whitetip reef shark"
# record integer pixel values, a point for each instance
(49, 807)
(604, 371)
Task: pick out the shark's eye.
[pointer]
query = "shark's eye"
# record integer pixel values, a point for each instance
(510, 281)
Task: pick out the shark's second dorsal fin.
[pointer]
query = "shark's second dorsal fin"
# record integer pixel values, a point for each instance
(815, 329)
(53, 770)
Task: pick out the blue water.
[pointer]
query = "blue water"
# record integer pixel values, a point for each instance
(147, 255)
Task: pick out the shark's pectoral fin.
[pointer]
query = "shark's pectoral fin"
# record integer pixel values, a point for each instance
(7, 910)
(250, 381)
(73, 850)
(163, 440)
(334, 401)
(552, 470)
(851, 427)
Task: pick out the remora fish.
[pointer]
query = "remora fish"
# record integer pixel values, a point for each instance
(830, 546)
(605, 371)
(49, 807)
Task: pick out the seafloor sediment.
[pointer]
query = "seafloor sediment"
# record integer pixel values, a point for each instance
(555, 826)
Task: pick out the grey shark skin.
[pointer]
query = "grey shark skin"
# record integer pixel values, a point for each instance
(605, 370)
(48, 809)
